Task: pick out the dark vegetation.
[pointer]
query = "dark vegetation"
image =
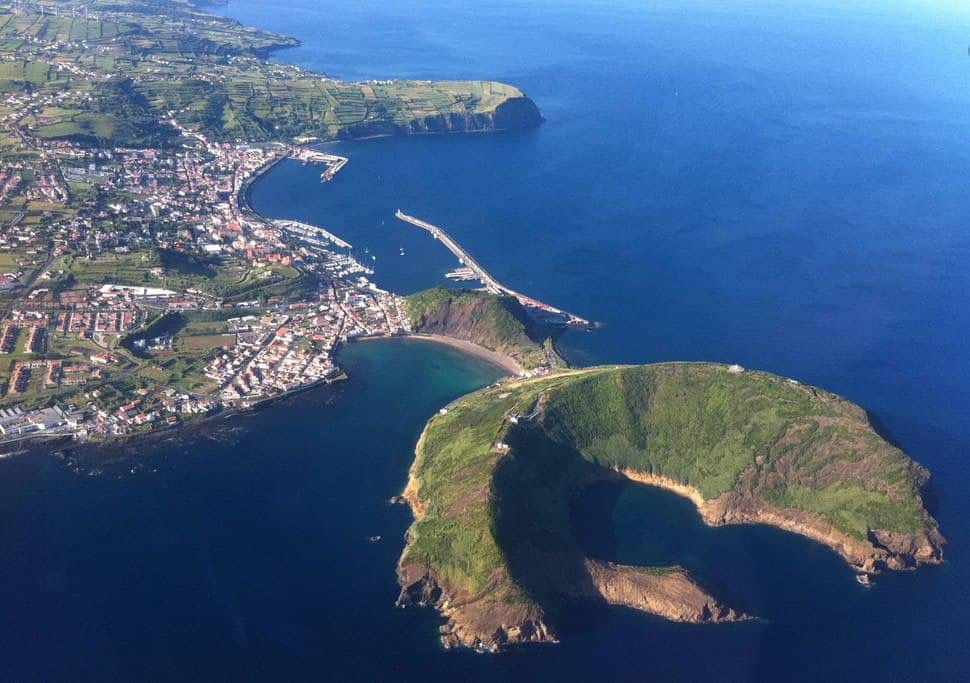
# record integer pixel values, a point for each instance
(120, 115)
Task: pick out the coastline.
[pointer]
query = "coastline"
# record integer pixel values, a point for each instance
(242, 198)
(864, 557)
(50, 443)
(467, 456)
(507, 363)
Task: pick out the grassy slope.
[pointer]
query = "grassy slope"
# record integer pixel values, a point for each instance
(693, 422)
(700, 425)
(497, 323)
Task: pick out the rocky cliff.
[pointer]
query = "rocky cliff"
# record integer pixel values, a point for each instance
(879, 550)
(515, 113)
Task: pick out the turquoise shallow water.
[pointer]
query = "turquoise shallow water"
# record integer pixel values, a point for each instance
(782, 186)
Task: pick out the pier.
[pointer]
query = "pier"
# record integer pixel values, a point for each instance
(333, 162)
(473, 267)
(462, 273)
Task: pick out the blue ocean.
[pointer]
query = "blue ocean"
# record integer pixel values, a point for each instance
(782, 185)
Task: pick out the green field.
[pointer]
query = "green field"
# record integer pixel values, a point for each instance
(141, 59)
(204, 342)
(8, 262)
(130, 269)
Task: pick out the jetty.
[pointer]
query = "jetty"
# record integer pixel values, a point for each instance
(471, 267)
(333, 162)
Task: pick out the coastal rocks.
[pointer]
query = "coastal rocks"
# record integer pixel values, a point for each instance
(500, 616)
(487, 622)
(880, 551)
(493, 632)
(417, 587)
(908, 551)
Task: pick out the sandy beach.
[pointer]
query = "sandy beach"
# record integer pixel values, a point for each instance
(494, 357)
(507, 363)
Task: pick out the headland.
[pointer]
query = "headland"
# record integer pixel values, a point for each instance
(494, 473)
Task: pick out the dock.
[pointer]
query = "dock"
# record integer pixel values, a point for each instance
(471, 267)
(462, 273)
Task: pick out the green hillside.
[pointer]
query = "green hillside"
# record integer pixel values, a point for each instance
(498, 323)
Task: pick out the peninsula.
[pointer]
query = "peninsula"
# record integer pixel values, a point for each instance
(494, 474)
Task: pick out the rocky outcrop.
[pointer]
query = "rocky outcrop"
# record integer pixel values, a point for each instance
(669, 593)
(516, 113)
(488, 621)
(500, 615)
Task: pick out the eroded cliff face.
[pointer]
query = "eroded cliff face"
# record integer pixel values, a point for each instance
(516, 113)
(490, 620)
(882, 550)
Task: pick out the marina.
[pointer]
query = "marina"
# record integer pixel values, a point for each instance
(311, 233)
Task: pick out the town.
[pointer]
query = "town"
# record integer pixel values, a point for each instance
(140, 291)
